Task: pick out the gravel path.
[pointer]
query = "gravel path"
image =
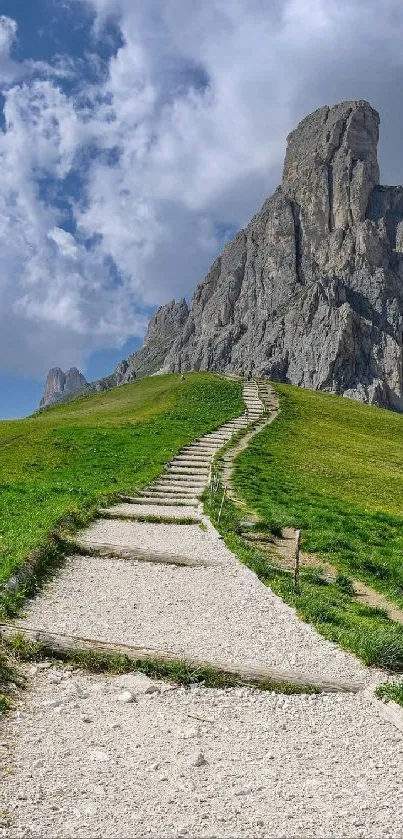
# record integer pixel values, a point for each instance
(81, 760)
(182, 539)
(87, 765)
(220, 613)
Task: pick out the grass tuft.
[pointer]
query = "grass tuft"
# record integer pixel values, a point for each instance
(391, 693)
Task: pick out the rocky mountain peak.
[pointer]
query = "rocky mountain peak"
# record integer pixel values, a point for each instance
(164, 327)
(168, 318)
(331, 165)
(58, 384)
(311, 292)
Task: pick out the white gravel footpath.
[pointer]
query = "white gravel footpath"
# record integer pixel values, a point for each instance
(220, 613)
(86, 765)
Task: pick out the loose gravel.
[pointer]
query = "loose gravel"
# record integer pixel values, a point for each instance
(221, 613)
(196, 763)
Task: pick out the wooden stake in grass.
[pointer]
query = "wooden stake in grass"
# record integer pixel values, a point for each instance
(222, 504)
(296, 559)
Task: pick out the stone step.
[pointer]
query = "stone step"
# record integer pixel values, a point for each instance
(193, 463)
(159, 500)
(207, 442)
(186, 468)
(202, 452)
(62, 644)
(187, 473)
(177, 497)
(139, 554)
(180, 485)
(202, 448)
(172, 477)
(194, 489)
(146, 513)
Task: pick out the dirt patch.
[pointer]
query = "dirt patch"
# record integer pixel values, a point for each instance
(282, 552)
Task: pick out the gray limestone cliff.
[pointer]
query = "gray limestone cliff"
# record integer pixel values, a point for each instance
(164, 327)
(60, 385)
(311, 292)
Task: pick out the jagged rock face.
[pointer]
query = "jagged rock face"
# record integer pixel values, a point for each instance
(59, 384)
(311, 291)
(164, 327)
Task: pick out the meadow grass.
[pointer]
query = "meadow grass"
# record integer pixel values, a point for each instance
(391, 692)
(333, 468)
(330, 606)
(57, 467)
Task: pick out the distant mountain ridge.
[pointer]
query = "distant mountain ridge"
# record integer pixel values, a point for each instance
(60, 385)
(311, 292)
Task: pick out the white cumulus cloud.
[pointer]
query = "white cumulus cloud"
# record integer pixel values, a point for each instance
(116, 195)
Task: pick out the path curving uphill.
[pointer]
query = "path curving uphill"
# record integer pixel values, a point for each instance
(129, 756)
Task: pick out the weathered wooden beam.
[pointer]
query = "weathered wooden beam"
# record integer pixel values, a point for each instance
(148, 518)
(157, 501)
(65, 645)
(104, 549)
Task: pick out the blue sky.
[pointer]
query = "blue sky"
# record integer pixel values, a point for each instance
(136, 136)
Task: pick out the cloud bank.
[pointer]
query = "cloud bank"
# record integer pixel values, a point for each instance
(122, 177)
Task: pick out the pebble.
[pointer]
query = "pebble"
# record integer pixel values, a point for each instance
(199, 760)
(126, 696)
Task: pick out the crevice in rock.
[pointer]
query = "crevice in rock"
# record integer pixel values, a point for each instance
(330, 186)
(296, 212)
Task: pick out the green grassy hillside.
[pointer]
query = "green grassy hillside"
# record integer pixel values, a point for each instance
(62, 462)
(334, 469)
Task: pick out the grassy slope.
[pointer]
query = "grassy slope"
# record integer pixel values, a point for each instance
(333, 468)
(69, 457)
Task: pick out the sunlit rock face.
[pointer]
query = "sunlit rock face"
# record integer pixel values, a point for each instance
(311, 291)
(59, 385)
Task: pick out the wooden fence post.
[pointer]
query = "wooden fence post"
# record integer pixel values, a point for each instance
(296, 558)
(222, 504)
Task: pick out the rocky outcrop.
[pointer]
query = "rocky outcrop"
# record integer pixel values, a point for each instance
(311, 291)
(60, 385)
(164, 327)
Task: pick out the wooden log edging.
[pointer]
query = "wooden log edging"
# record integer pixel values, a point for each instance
(389, 711)
(67, 645)
(148, 518)
(105, 549)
